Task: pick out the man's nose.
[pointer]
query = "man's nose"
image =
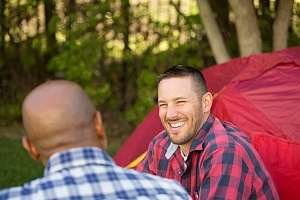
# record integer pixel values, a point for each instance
(172, 111)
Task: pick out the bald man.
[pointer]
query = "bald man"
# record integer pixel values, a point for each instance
(65, 132)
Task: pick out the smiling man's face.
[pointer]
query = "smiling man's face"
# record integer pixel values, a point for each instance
(180, 109)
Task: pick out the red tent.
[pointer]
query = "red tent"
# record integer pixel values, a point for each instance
(260, 94)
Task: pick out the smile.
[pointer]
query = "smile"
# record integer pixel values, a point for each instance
(176, 125)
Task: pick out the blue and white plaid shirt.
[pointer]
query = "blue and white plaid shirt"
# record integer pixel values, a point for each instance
(89, 173)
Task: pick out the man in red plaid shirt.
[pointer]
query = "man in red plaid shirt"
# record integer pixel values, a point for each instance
(210, 158)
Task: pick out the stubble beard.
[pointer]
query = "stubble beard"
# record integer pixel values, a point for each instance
(180, 141)
(179, 138)
(185, 136)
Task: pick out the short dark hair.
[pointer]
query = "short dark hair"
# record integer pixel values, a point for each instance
(179, 71)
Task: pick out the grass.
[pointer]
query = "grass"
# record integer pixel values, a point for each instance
(16, 165)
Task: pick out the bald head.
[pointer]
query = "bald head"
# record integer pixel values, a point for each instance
(58, 115)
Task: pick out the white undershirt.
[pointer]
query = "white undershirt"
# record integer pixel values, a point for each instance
(184, 158)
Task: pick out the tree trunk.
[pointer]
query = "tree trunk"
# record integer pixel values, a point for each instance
(214, 34)
(248, 33)
(281, 24)
(221, 11)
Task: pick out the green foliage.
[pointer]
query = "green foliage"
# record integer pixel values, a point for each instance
(115, 52)
(113, 148)
(99, 95)
(145, 98)
(10, 111)
(53, 24)
(266, 31)
(17, 167)
(77, 59)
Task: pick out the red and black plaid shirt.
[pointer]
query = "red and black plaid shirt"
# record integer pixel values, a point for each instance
(222, 164)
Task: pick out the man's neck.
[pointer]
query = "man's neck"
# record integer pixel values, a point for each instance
(184, 149)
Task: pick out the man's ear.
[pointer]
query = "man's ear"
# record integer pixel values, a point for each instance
(28, 145)
(100, 129)
(207, 102)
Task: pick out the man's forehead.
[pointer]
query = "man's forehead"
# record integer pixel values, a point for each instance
(175, 82)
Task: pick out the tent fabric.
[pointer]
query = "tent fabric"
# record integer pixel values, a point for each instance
(139, 139)
(282, 159)
(259, 94)
(268, 99)
(244, 68)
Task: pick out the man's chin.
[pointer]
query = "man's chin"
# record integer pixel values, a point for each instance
(176, 141)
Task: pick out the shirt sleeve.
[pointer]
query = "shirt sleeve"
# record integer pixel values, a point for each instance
(144, 165)
(225, 174)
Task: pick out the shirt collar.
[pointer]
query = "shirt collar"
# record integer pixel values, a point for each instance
(76, 157)
(171, 150)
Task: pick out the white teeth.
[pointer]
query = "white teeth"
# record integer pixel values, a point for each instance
(176, 125)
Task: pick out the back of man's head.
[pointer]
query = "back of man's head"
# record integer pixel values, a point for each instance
(58, 115)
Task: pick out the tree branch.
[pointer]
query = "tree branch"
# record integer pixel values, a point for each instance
(214, 34)
(248, 33)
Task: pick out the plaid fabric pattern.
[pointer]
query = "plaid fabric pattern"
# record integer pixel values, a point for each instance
(222, 164)
(89, 173)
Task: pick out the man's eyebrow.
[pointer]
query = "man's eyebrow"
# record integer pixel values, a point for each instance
(181, 98)
(177, 98)
(160, 101)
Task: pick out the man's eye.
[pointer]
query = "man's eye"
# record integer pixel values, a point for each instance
(181, 102)
(162, 105)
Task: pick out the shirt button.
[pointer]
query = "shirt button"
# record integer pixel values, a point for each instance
(179, 172)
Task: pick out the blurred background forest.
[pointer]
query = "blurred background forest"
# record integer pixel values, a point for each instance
(116, 48)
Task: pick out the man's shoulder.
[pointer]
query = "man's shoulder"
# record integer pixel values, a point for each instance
(156, 186)
(169, 188)
(226, 134)
(107, 183)
(9, 193)
(161, 139)
(224, 126)
(27, 191)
